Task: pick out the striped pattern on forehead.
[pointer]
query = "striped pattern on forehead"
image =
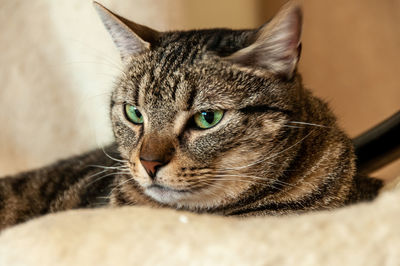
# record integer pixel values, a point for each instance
(158, 73)
(165, 72)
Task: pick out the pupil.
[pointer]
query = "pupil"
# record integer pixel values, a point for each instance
(209, 117)
(138, 114)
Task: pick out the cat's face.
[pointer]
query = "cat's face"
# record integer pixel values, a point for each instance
(198, 118)
(202, 165)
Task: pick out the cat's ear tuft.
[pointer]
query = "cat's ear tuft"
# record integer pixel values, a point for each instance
(276, 46)
(130, 38)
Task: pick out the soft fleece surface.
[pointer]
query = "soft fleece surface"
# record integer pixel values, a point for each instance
(364, 234)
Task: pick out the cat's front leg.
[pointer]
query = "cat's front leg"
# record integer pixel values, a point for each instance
(77, 182)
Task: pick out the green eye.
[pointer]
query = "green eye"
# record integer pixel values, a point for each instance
(208, 119)
(133, 114)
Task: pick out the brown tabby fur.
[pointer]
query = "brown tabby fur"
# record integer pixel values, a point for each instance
(277, 150)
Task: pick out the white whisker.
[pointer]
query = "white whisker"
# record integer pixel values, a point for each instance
(292, 126)
(122, 167)
(264, 179)
(104, 176)
(307, 124)
(112, 158)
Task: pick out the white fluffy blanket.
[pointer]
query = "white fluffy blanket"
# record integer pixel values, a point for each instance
(364, 234)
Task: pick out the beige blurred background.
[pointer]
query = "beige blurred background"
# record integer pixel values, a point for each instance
(57, 65)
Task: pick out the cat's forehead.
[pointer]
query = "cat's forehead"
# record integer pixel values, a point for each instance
(185, 71)
(180, 49)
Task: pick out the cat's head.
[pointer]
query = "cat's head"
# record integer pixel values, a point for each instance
(203, 116)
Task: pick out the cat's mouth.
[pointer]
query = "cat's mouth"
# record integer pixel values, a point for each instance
(165, 194)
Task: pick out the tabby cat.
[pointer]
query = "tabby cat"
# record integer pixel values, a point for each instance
(210, 121)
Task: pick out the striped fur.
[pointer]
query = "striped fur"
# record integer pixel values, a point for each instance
(277, 150)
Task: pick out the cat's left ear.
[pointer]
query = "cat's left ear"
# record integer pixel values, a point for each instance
(130, 38)
(276, 46)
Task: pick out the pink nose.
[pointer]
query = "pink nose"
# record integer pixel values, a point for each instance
(151, 167)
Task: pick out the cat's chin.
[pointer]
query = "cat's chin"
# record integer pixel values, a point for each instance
(165, 194)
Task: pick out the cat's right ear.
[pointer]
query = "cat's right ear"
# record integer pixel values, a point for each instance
(130, 38)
